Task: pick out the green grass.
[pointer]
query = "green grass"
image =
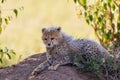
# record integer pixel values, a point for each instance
(23, 34)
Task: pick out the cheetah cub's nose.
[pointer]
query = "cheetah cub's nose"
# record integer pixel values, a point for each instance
(49, 44)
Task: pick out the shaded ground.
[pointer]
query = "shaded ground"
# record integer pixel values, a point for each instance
(23, 70)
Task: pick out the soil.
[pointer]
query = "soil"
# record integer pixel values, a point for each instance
(23, 70)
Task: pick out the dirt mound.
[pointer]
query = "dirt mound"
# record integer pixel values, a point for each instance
(23, 70)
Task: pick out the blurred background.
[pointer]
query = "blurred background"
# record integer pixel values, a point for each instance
(23, 34)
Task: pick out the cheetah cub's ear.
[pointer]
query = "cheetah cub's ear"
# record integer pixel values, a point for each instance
(43, 30)
(59, 29)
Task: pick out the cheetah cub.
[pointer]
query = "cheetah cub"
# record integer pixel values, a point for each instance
(61, 49)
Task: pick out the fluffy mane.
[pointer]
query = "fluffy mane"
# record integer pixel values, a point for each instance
(67, 37)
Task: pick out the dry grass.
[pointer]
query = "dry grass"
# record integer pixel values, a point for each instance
(23, 34)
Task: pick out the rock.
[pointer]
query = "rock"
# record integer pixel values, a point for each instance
(23, 70)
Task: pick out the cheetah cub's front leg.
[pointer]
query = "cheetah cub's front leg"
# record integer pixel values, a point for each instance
(42, 66)
(54, 65)
(39, 69)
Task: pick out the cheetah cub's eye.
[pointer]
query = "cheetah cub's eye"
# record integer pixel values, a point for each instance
(52, 38)
(45, 38)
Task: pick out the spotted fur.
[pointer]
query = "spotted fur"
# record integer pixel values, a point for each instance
(61, 49)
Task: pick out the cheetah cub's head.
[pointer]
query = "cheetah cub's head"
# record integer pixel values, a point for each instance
(51, 36)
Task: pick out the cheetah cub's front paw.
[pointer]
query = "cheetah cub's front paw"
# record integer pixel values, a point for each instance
(52, 68)
(34, 74)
